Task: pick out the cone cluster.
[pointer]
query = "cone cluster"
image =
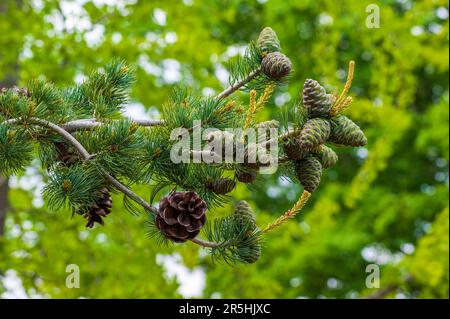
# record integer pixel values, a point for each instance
(308, 149)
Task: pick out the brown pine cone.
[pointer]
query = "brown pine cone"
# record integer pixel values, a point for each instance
(101, 208)
(181, 216)
(66, 155)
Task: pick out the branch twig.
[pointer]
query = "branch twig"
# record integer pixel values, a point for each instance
(290, 213)
(84, 124)
(230, 90)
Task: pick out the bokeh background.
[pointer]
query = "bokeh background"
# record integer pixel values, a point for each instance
(386, 204)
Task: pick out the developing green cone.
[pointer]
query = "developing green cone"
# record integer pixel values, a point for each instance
(309, 173)
(276, 65)
(268, 41)
(250, 250)
(293, 150)
(315, 99)
(223, 186)
(314, 133)
(243, 213)
(250, 253)
(345, 132)
(326, 156)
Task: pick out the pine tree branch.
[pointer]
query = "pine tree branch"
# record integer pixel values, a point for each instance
(204, 243)
(83, 124)
(233, 88)
(86, 156)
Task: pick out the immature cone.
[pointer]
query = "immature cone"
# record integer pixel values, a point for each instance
(268, 41)
(250, 253)
(181, 216)
(293, 150)
(314, 133)
(244, 214)
(326, 156)
(101, 208)
(276, 65)
(246, 176)
(223, 186)
(316, 100)
(309, 173)
(345, 132)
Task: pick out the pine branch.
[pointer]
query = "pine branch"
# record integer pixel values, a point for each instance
(85, 124)
(233, 88)
(86, 157)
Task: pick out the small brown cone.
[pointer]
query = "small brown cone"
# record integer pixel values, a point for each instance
(181, 216)
(100, 209)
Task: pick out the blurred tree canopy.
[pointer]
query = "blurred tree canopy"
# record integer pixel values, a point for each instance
(385, 204)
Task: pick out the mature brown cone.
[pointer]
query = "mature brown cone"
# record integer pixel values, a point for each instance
(65, 154)
(181, 216)
(101, 208)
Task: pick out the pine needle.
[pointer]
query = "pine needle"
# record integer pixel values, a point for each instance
(298, 206)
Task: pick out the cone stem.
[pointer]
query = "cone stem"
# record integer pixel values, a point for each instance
(290, 213)
(230, 90)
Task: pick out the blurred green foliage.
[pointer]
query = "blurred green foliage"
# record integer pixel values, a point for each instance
(385, 204)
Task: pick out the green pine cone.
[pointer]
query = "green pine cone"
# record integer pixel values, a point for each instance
(315, 99)
(250, 253)
(268, 41)
(293, 150)
(276, 65)
(345, 132)
(315, 132)
(309, 173)
(244, 213)
(223, 186)
(326, 156)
